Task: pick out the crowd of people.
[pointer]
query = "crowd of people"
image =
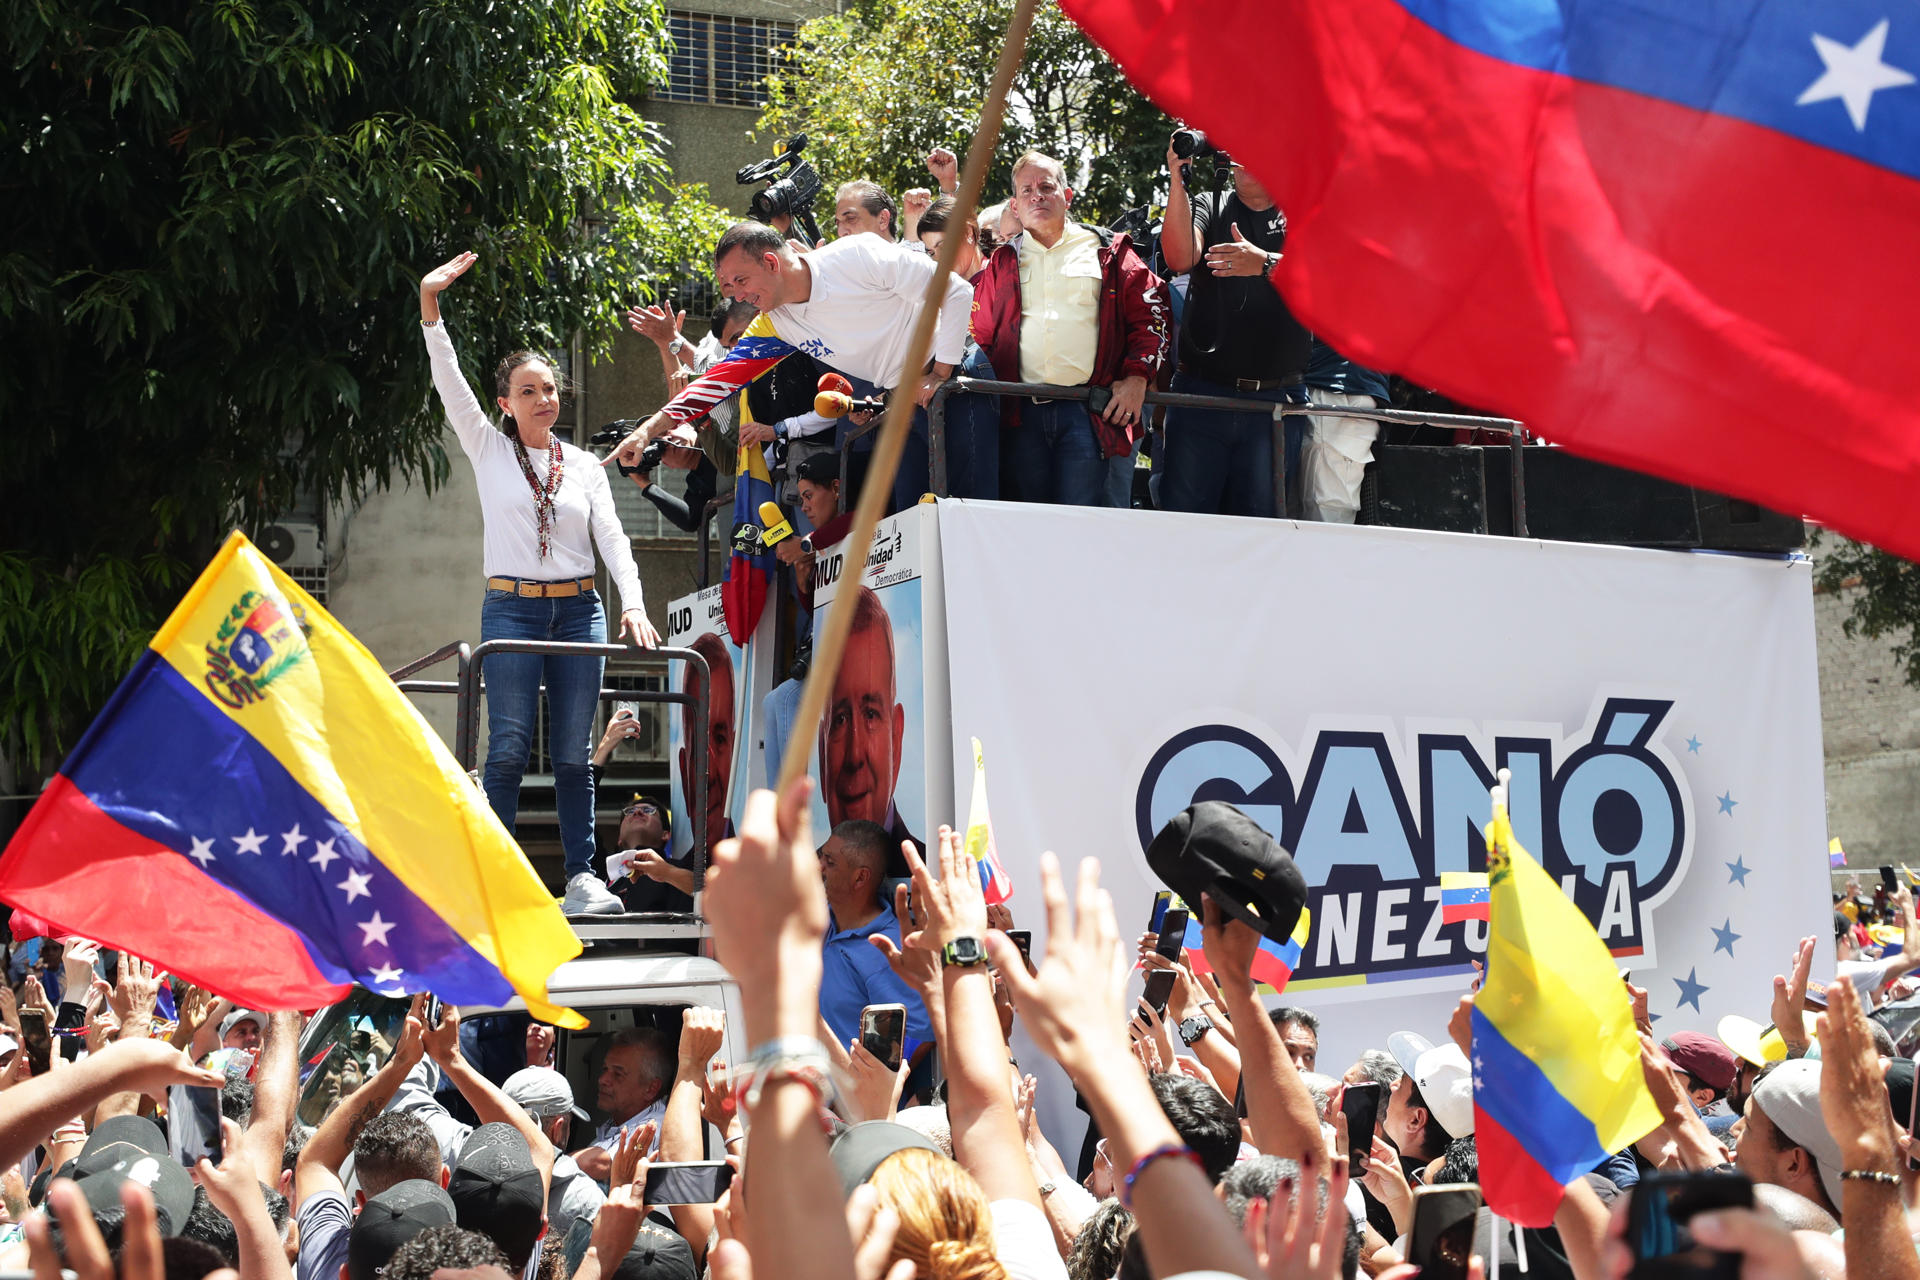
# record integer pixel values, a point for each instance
(1218, 1143)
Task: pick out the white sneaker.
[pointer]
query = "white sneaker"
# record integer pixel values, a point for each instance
(586, 896)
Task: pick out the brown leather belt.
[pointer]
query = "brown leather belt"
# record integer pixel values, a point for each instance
(524, 587)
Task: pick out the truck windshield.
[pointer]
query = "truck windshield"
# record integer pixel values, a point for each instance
(343, 1045)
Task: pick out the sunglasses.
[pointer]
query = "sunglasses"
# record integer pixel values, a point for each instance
(641, 807)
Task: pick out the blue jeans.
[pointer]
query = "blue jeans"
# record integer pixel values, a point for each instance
(1053, 456)
(973, 434)
(513, 700)
(910, 480)
(1219, 462)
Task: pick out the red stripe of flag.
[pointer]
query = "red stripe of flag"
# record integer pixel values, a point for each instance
(102, 881)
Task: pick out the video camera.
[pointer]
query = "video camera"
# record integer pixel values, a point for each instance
(614, 432)
(792, 185)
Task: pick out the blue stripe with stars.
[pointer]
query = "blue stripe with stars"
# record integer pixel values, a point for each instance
(1838, 74)
(177, 771)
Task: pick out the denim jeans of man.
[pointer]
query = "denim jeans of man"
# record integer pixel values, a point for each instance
(972, 429)
(513, 700)
(1053, 456)
(1220, 462)
(910, 480)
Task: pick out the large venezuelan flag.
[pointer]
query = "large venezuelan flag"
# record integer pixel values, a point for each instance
(1678, 237)
(259, 810)
(1557, 1085)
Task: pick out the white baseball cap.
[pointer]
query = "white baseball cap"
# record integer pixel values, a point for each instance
(1442, 1075)
(543, 1091)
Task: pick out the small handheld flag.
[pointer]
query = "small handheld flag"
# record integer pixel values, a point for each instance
(995, 884)
(1273, 963)
(1463, 896)
(1836, 856)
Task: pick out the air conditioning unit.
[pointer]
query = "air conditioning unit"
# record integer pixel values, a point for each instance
(294, 545)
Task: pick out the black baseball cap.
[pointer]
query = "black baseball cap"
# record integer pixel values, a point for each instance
(136, 1132)
(121, 1163)
(1214, 850)
(657, 1254)
(496, 1190)
(860, 1148)
(389, 1220)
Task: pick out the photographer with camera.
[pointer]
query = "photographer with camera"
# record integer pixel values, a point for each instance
(850, 305)
(1072, 305)
(1237, 337)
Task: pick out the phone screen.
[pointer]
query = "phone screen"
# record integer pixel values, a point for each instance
(1663, 1205)
(33, 1029)
(697, 1182)
(1161, 901)
(883, 1033)
(1173, 933)
(1360, 1104)
(1887, 879)
(1443, 1223)
(1023, 939)
(1159, 987)
(193, 1123)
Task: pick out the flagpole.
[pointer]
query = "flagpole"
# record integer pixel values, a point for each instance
(900, 407)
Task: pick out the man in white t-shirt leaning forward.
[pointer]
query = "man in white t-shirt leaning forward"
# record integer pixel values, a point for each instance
(1870, 978)
(850, 305)
(632, 1090)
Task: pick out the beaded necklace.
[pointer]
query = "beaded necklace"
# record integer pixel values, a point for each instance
(542, 495)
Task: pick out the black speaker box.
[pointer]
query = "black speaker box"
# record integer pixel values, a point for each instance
(1469, 489)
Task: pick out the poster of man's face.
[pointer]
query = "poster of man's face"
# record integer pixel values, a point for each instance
(720, 733)
(861, 739)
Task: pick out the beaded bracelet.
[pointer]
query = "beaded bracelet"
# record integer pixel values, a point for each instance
(1870, 1175)
(1158, 1153)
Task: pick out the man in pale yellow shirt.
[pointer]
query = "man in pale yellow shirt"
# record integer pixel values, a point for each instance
(1072, 306)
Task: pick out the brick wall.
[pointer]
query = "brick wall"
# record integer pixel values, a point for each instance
(1870, 719)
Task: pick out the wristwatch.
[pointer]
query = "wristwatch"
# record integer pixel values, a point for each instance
(677, 345)
(1195, 1027)
(963, 953)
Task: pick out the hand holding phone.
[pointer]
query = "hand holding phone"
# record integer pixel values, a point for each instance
(1159, 989)
(695, 1182)
(1657, 1225)
(883, 1033)
(1360, 1107)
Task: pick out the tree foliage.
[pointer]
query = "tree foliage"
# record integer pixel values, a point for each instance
(217, 215)
(1885, 595)
(877, 87)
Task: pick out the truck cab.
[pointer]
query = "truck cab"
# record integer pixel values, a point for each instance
(634, 971)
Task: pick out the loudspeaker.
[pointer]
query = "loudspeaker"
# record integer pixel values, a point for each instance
(1419, 487)
(1469, 489)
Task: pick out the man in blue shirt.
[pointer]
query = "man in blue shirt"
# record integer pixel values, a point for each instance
(853, 867)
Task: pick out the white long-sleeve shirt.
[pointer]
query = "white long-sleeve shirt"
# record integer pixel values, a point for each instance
(583, 514)
(858, 319)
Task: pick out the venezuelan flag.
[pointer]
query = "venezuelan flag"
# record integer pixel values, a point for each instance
(1273, 963)
(758, 350)
(1463, 896)
(259, 810)
(995, 884)
(1556, 1059)
(750, 568)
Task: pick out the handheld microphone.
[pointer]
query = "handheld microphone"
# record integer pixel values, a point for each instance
(834, 382)
(838, 404)
(773, 524)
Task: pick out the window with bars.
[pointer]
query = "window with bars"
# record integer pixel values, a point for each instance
(722, 60)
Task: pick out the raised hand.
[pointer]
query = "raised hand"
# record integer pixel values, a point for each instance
(1790, 996)
(137, 992)
(953, 905)
(1074, 1006)
(630, 1154)
(1853, 1095)
(446, 273)
(945, 168)
(441, 1041)
(702, 1032)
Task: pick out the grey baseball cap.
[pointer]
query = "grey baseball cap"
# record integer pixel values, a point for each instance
(543, 1093)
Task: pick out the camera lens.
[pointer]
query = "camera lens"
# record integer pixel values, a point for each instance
(1188, 143)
